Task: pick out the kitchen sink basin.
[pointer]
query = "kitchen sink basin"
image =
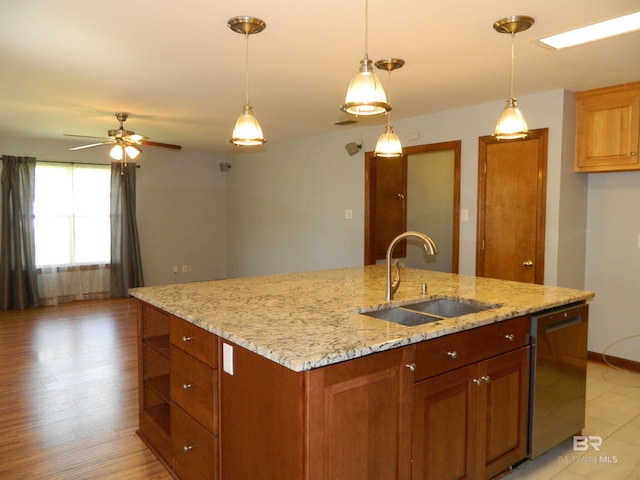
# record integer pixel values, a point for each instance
(402, 316)
(428, 311)
(448, 308)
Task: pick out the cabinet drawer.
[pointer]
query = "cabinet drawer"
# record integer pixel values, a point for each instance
(195, 450)
(194, 340)
(193, 387)
(458, 349)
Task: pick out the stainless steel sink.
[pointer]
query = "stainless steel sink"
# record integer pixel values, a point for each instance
(448, 308)
(428, 311)
(403, 317)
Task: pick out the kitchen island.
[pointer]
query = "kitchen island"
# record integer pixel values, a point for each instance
(298, 383)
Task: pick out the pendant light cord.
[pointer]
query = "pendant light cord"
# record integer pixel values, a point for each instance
(246, 86)
(366, 28)
(389, 98)
(513, 36)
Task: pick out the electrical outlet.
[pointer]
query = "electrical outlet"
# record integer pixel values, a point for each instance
(348, 214)
(174, 269)
(227, 358)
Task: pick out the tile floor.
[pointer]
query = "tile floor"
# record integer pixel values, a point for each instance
(613, 413)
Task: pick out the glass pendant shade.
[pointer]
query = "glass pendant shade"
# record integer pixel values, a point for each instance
(365, 95)
(511, 124)
(388, 144)
(247, 131)
(131, 151)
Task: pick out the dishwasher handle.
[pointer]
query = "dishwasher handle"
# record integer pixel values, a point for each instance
(559, 319)
(564, 323)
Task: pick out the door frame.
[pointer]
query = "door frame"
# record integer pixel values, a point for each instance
(370, 197)
(541, 134)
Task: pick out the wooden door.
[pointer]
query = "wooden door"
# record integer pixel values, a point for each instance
(444, 426)
(511, 208)
(359, 420)
(386, 218)
(503, 411)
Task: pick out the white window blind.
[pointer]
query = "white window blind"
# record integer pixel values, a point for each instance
(72, 214)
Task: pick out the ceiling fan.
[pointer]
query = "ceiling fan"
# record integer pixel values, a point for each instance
(125, 142)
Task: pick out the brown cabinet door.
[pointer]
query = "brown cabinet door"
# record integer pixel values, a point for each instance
(194, 387)
(359, 418)
(195, 450)
(503, 411)
(471, 423)
(511, 208)
(608, 129)
(444, 426)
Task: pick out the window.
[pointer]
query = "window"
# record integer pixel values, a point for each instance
(72, 214)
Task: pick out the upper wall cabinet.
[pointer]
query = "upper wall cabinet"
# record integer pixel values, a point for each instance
(607, 129)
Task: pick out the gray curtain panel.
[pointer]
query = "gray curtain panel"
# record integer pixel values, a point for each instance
(18, 283)
(126, 264)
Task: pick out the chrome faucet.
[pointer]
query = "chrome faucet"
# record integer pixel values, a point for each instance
(429, 247)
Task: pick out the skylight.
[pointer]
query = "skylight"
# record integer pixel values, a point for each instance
(596, 31)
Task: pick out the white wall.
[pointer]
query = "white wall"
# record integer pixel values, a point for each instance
(613, 263)
(180, 205)
(286, 202)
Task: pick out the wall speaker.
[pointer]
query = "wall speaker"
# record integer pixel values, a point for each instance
(352, 148)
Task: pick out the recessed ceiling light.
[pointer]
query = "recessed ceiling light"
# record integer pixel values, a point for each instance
(591, 33)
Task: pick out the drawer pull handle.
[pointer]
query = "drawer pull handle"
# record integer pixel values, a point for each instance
(453, 354)
(186, 448)
(187, 339)
(486, 379)
(186, 386)
(477, 381)
(411, 367)
(510, 337)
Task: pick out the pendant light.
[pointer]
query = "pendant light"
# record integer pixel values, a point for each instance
(247, 131)
(365, 95)
(511, 124)
(388, 144)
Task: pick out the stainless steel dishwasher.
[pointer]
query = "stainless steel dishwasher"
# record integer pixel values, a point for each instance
(558, 376)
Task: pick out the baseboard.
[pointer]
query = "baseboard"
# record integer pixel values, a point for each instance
(615, 361)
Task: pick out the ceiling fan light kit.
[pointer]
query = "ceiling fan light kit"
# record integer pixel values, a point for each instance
(247, 131)
(511, 123)
(121, 151)
(126, 143)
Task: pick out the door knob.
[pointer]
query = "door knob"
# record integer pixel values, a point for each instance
(528, 263)
(400, 196)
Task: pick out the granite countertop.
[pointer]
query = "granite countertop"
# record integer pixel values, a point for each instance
(308, 320)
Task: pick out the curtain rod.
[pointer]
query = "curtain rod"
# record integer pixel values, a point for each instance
(78, 163)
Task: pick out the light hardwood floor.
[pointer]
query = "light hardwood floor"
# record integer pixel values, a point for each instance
(68, 403)
(68, 394)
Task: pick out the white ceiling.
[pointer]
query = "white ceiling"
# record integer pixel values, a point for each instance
(175, 66)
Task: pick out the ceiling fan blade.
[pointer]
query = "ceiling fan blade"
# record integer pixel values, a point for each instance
(84, 136)
(136, 137)
(91, 145)
(161, 145)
